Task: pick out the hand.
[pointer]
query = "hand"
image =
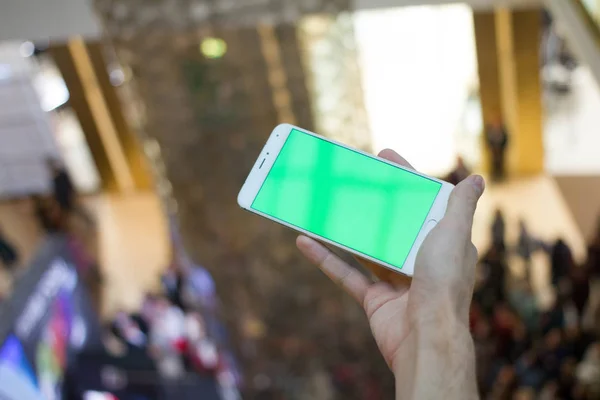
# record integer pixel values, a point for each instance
(421, 327)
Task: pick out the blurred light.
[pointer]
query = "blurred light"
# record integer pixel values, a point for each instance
(117, 77)
(127, 73)
(78, 333)
(213, 48)
(5, 72)
(51, 90)
(199, 11)
(27, 49)
(152, 148)
(172, 205)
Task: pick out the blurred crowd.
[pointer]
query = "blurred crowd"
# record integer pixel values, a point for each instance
(59, 212)
(523, 350)
(174, 346)
(178, 331)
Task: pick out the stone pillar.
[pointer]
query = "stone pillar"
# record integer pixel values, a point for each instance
(489, 76)
(79, 100)
(528, 147)
(126, 137)
(508, 46)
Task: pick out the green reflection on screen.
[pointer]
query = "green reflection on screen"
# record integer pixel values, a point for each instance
(346, 197)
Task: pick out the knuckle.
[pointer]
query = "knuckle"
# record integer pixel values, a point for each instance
(326, 260)
(343, 278)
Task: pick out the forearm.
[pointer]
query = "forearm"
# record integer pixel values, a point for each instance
(443, 363)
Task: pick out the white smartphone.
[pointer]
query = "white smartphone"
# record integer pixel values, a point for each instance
(360, 203)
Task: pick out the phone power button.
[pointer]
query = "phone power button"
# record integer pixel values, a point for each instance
(430, 225)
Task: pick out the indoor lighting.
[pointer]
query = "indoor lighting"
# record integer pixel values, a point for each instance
(27, 49)
(5, 72)
(117, 77)
(213, 48)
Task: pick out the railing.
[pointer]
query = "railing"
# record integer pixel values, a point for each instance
(23, 175)
(581, 30)
(590, 16)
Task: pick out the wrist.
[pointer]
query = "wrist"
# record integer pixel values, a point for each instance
(437, 360)
(440, 332)
(440, 313)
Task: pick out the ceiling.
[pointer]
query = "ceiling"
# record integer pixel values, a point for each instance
(59, 19)
(56, 19)
(475, 4)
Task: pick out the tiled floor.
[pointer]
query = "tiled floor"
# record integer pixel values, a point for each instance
(540, 204)
(133, 244)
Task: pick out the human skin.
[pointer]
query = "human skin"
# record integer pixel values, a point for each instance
(421, 325)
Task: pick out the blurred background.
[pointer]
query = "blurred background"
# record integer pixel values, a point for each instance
(128, 127)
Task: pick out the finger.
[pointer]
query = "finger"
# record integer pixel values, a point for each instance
(463, 203)
(398, 281)
(353, 282)
(394, 157)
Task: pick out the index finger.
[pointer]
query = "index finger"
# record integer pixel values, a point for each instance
(353, 282)
(394, 157)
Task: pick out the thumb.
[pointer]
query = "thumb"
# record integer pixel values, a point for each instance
(462, 204)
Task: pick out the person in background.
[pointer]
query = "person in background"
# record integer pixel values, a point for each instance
(133, 332)
(485, 351)
(553, 353)
(524, 393)
(497, 142)
(48, 214)
(504, 323)
(499, 231)
(594, 252)
(588, 371)
(561, 259)
(459, 173)
(63, 188)
(580, 289)
(529, 370)
(566, 379)
(172, 284)
(8, 253)
(505, 383)
(494, 267)
(554, 318)
(522, 299)
(167, 329)
(525, 246)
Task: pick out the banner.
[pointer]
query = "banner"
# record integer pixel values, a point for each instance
(48, 320)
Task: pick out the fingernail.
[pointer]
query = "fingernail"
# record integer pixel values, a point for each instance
(478, 183)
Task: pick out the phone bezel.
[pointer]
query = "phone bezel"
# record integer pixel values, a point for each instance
(265, 162)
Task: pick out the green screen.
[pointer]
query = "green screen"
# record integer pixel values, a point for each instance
(339, 194)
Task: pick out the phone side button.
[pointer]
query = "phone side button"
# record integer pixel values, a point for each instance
(430, 225)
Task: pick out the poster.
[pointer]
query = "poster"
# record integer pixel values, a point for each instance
(50, 320)
(17, 379)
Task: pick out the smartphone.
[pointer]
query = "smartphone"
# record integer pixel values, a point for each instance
(345, 197)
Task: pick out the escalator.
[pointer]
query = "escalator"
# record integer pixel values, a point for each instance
(575, 168)
(579, 21)
(590, 10)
